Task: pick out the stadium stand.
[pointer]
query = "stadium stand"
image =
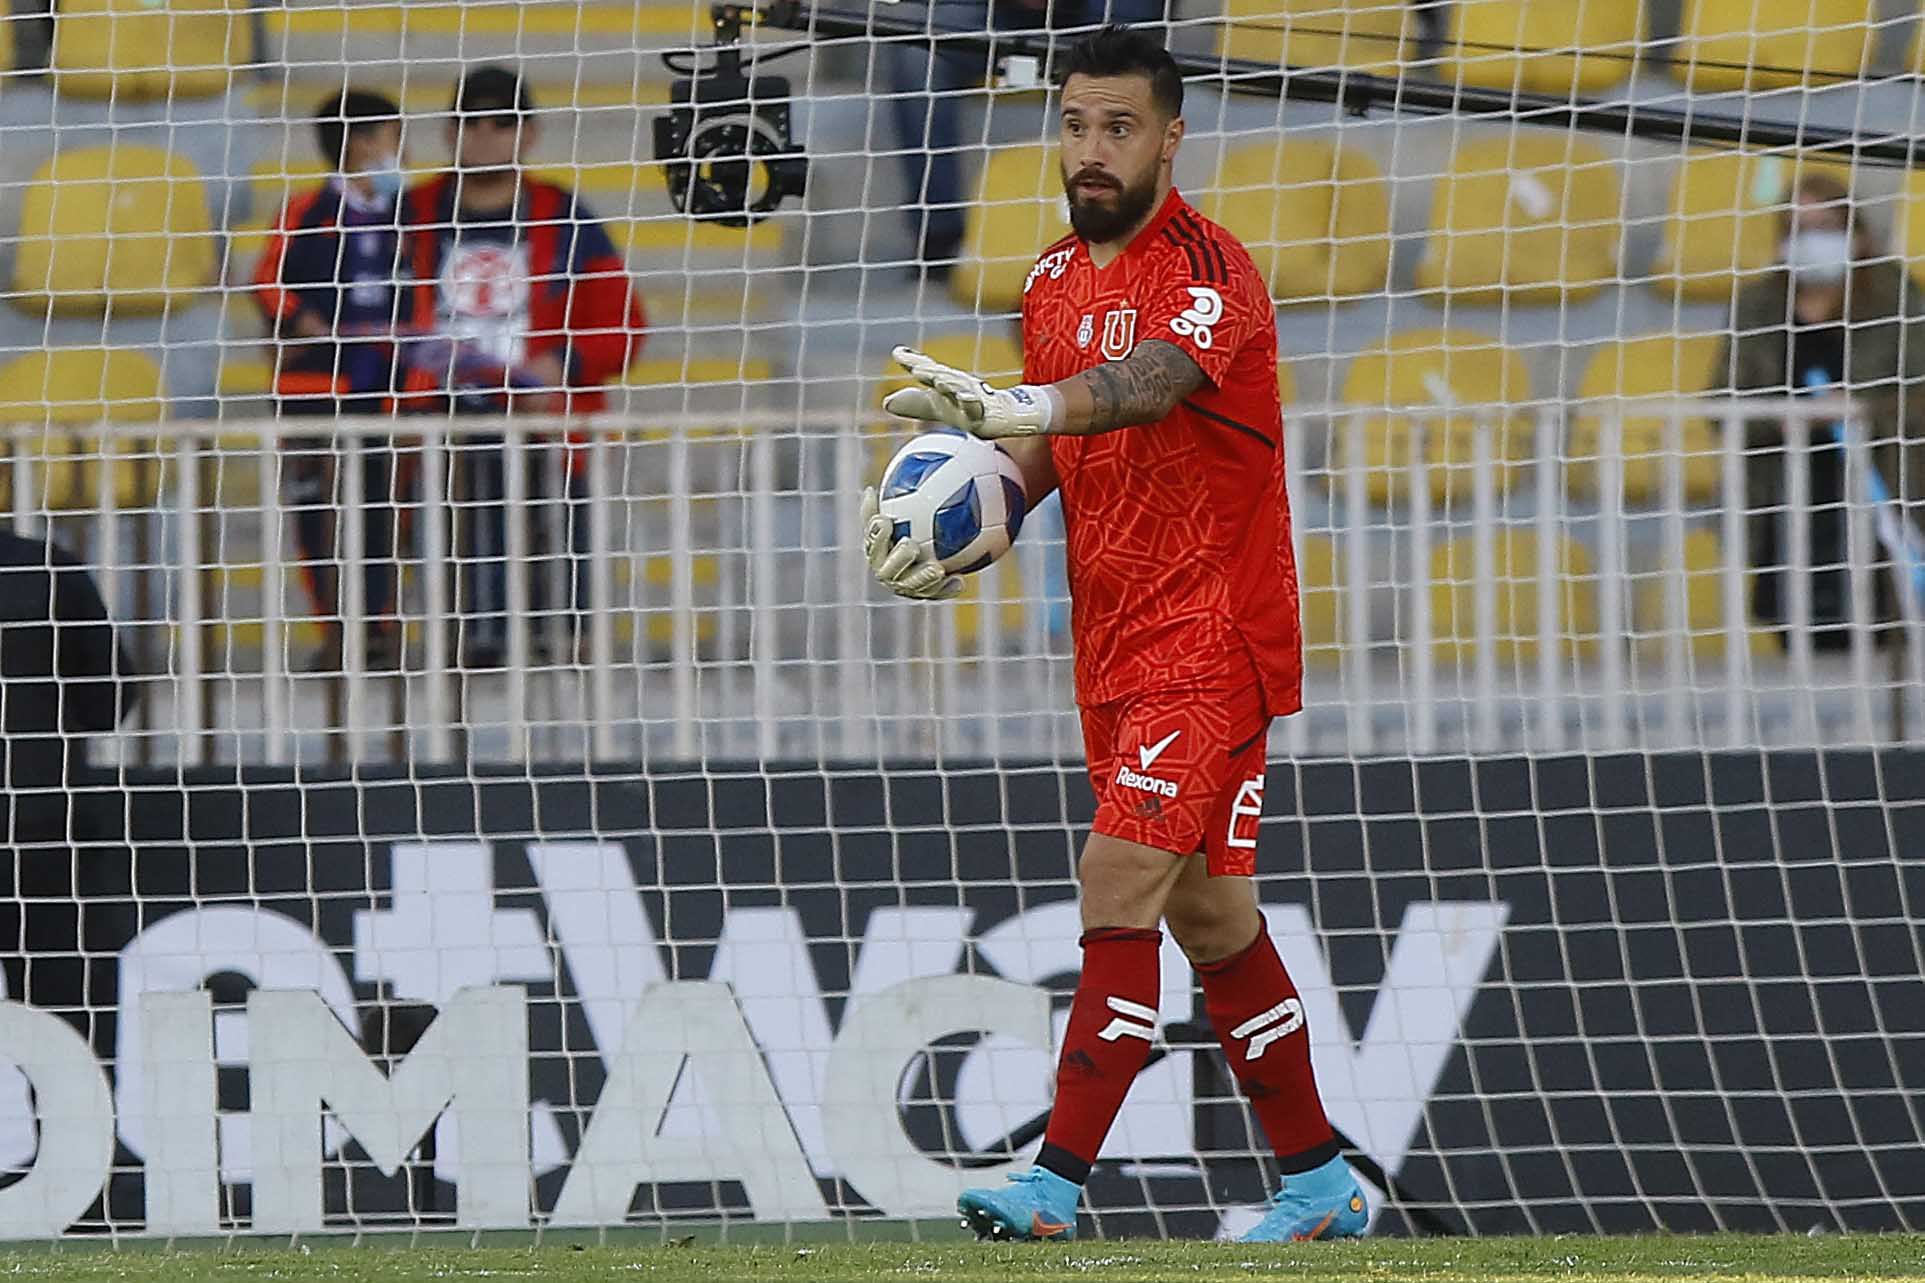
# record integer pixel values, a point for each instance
(1703, 560)
(1528, 219)
(1744, 44)
(1908, 233)
(131, 50)
(67, 390)
(1544, 46)
(1723, 223)
(1453, 598)
(1017, 211)
(113, 227)
(1341, 231)
(1363, 35)
(1320, 585)
(1446, 369)
(1314, 216)
(1652, 366)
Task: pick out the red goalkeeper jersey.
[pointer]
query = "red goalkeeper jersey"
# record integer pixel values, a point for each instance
(1180, 565)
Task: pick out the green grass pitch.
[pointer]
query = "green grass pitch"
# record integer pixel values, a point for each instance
(1565, 1260)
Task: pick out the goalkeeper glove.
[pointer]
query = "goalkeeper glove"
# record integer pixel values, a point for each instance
(948, 395)
(904, 567)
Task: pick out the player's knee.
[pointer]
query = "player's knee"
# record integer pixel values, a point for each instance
(1212, 926)
(1124, 884)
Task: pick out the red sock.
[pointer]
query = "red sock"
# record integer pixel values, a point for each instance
(1111, 1023)
(1259, 1021)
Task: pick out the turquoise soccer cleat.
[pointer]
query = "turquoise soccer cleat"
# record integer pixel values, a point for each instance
(1324, 1202)
(1036, 1204)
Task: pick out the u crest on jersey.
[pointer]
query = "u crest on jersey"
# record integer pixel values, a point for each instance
(1119, 333)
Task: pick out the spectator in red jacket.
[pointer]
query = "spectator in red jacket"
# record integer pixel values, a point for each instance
(518, 303)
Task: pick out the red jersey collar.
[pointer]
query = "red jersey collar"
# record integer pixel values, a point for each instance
(1171, 204)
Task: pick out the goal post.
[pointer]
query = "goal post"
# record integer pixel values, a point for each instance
(555, 774)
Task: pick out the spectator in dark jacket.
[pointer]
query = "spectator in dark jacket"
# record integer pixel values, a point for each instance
(518, 303)
(327, 285)
(1840, 316)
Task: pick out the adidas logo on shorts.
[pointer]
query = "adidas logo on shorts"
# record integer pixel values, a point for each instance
(1145, 783)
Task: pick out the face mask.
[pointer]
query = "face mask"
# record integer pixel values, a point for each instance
(385, 179)
(1819, 257)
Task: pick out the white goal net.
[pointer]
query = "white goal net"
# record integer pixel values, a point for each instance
(499, 807)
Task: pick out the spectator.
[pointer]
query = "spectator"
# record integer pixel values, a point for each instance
(519, 302)
(63, 679)
(926, 101)
(327, 286)
(1838, 316)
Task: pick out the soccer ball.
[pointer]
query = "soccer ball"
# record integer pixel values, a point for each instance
(958, 496)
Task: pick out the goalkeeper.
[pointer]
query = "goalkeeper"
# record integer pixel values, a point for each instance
(1150, 350)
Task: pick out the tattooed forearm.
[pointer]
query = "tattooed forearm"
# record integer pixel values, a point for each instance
(1141, 388)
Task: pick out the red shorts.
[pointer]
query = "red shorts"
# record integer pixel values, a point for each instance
(1181, 770)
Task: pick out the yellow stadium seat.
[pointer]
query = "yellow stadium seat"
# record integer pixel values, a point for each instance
(969, 606)
(1657, 365)
(992, 351)
(1724, 219)
(244, 376)
(1445, 369)
(1315, 217)
(1320, 580)
(1544, 46)
(129, 50)
(671, 371)
(64, 391)
(658, 571)
(1525, 218)
(1772, 44)
(1018, 212)
(1704, 563)
(606, 25)
(1453, 598)
(116, 226)
(1286, 385)
(1361, 35)
(1909, 234)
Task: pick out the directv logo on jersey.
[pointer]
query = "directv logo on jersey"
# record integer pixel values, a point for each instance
(1054, 264)
(1145, 783)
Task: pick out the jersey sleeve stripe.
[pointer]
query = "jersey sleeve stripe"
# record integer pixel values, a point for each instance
(1207, 245)
(1193, 234)
(1196, 266)
(1227, 422)
(1199, 266)
(1222, 259)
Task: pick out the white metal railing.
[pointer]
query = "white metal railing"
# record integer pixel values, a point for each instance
(798, 655)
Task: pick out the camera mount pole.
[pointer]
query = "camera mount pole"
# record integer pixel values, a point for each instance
(1360, 93)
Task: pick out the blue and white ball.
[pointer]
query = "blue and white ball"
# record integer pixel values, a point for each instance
(958, 496)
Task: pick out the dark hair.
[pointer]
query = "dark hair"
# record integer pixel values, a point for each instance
(1128, 51)
(492, 90)
(350, 114)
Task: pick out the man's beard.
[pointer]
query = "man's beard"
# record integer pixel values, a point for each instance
(1100, 224)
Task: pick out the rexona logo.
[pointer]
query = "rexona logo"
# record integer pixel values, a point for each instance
(751, 1074)
(1130, 779)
